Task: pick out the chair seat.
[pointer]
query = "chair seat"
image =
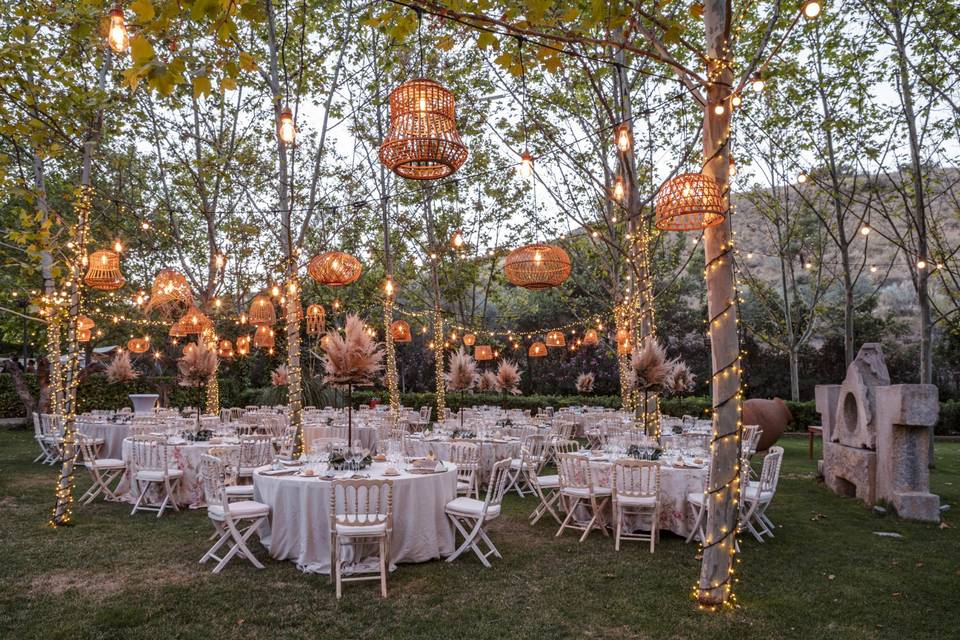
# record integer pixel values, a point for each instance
(752, 492)
(240, 509)
(240, 490)
(695, 498)
(548, 482)
(637, 501)
(471, 507)
(584, 492)
(362, 530)
(105, 463)
(463, 484)
(516, 463)
(157, 475)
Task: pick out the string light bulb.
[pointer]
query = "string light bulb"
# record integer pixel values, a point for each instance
(623, 139)
(526, 164)
(388, 289)
(118, 246)
(286, 129)
(802, 177)
(719, 109)
(756, 83)
(736, 100)
(812, 9)
(457, 240)
(921, 264)
(619, 189)
(733, 167)
(117, 37)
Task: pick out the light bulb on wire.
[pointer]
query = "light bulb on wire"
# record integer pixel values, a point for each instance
(117, 37)
(622, 137)
(526, 164)
(812, 9)
(756, 83)
(619, 189)
(286, 129)
(457, 240)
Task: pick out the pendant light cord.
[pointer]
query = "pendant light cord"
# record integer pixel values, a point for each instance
(420, 37)
(523, 123)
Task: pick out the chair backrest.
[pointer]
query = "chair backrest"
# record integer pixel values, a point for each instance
(574, 471)
(213, 477)
(424, 414)
(464, 453)
(565, 446)
(359, 503)
(255, 451)
(499, 479)
(148, 453)
(230, 457)
(532, 449)
(770, 474)
(635, 478)
(51, 424)
(37, 429)
(749, 439)
(87, 448)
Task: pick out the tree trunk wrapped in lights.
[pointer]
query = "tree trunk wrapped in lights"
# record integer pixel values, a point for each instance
(391, 372)
(294, 388)
(209, 339)
(438, 362)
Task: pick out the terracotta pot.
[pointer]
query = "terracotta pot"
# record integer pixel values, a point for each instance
(773, 416)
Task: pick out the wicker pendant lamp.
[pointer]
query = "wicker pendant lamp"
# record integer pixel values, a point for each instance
(469, 339)
(103, 271)
(423, 142)
(556, 339)
(225, 349)
(334, 269)
(262, 311)
(138, 345)
(689, 202)
(537, 266)
(482, 353)
(83, 335)
(177, 330)
(169, 288)
(243, 345)
(85, 323)
(316, 319)
(537, 350)
(590, 337)
(624, 347)
(194, 321)
(400, 330)
(263, 338)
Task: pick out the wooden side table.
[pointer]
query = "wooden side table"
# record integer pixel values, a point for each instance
(813, 432)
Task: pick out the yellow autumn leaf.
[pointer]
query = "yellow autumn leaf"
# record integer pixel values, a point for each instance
(143, 9)
(201, 86)
(247, 63)
(140, 49)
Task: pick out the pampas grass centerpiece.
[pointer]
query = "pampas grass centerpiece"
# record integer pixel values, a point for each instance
(585, 382)
(195, 368)
(461, 375)
(121, 369)
(508, 379)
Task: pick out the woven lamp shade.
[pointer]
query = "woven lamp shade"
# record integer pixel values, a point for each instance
(537, 266)
(263, 338)
(243, 345)
(624, 347)
(469, 339)
(482, 353)
(138, 345)
(177, 330)
(83, 335)
(400, 330)
(194, 321)
(622, 335)
(169, 287)
(262, 311)
(85, 323)
(689, 202)
(316, 319)
(590, 337)
(556, 339)
(334, 269)
(537, 350)
(103, 271)
(225, 349)
(423, 142)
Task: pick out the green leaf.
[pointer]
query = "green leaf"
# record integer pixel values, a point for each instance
(486, 40)
(140, 49)
(247, 63)
(201, 86)
(505, 60)
(445, 43)
(672, 34)
(227, 84)
(144, 10)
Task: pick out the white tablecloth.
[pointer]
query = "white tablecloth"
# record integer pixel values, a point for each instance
(362, 434)
(299, 527)
(113, 435)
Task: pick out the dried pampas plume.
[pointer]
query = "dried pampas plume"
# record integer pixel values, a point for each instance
(280, 377)
(648, 365)
(508, 377)
(462, 371)
(353, 358)
(680, 379)
(121, 369)
(487, 381)
(196, 366)
(585, 382)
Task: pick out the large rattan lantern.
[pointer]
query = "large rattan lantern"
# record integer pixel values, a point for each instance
(169, 289)
(400, 330)
(423, 142)
(138, 345)
(556, 339)
(624, 347)
(537, 350)
(263, 338)
(590, 337)
(177, 330)
(622, 335)
(334, 268)
(83, 335)
(243, 345)
(103, 271)
(469, 339)
(262, 311)
(194, 321)
(537, 266)
(689, 202)
(482, 353)
(225, 349)
(85, 323)
(316, 319)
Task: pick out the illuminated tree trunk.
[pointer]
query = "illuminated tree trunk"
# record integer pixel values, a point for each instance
(722, 500)
(294, 383)
(209, 337)
(440, 387)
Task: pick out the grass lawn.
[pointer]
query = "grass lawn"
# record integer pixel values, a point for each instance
(825, 575)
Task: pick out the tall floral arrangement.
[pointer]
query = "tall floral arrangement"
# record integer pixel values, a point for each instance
(648, 372)
(679, 380)
(508, 379)
(461, 375)
(351, 359)
(585, 382)
(280, 377)
(121, 369)
(487, 381)
(195, 367)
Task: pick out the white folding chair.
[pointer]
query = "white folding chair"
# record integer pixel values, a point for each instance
(51, 428)
(528, 464)
(230, 457)
(41, 441)
(228, 517)
(149, 465)
(361, 511)
(636, 491)
(470, 516)
(547, 487)
(466, 455)
(756, 496)
(255, 451)
(577, 489)
(104, 472)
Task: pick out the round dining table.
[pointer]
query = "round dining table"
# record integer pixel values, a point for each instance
(299, 524)
(112, 433)
(492, 450)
